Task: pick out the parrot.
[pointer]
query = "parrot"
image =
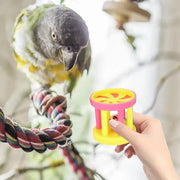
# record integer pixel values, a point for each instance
(51, 45)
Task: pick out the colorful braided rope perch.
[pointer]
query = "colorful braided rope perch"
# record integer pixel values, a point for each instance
(53, 107)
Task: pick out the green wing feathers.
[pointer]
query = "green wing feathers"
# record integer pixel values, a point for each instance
(83, 63)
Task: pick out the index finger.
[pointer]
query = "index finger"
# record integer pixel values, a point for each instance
(139, 118)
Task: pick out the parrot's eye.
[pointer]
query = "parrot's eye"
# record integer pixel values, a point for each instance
(53, 35)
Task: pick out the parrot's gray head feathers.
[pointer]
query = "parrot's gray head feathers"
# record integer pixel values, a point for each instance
(60, 35)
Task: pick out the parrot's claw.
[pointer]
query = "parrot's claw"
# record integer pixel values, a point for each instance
(57, 99)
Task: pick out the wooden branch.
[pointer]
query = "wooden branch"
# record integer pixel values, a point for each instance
(13, 173)
(159, 87)
(15, 100)
(170, 56)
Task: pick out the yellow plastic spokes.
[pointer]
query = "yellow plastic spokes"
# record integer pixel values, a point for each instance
(125, 98)
(102, 98)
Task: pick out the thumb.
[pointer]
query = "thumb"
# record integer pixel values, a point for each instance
(124, 131)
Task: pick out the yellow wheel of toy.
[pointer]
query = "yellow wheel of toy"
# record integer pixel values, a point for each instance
(113, 96)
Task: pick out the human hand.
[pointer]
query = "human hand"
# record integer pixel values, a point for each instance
(149, 144)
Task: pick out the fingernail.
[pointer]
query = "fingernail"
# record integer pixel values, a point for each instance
(126, 154)
(118, 149)
(113, 123)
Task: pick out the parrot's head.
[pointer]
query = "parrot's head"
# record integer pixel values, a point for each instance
(60, 34)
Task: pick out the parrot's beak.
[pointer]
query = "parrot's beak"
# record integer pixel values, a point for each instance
(69, 59)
